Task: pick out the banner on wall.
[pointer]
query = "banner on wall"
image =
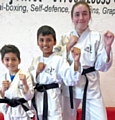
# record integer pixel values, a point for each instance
(55, 6)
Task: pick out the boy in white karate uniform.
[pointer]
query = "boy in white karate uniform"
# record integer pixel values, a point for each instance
(48, 71)
(16, 87)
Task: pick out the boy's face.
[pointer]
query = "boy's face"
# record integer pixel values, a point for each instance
(46, 44)
(11, 62)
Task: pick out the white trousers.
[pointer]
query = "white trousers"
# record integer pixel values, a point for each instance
(95, 109)
(54, 117)
(16, 118)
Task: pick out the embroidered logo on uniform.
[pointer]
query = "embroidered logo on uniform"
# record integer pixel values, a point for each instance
(49, 70)
(88, 48)
(20, 86)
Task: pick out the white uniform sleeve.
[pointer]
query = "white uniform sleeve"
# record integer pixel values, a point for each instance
(101, 63)
(29, 95)
(61, 47)
(2, 77)
(67, 73)
(32, 69)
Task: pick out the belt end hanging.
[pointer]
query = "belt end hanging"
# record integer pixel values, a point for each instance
(72, 112)
(31, 114)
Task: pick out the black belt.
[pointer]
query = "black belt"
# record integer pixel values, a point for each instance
(44, 88)
(85, 71)
(71, 97)
(15, 102)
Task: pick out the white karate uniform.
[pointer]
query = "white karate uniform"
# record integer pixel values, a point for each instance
(15, 91)
(93, 53)
(57, 70)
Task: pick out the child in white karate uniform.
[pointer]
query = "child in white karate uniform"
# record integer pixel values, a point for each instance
(16, 87)
(95, 53)
(49, 71)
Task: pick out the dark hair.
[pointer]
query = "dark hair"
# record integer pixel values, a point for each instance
(78, 3)
(9, 48)
(46, 30)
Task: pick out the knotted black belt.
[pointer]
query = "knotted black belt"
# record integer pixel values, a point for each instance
(85, 71)
(15, 102)
(44, 88)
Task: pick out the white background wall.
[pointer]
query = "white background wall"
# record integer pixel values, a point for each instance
(20, 29)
